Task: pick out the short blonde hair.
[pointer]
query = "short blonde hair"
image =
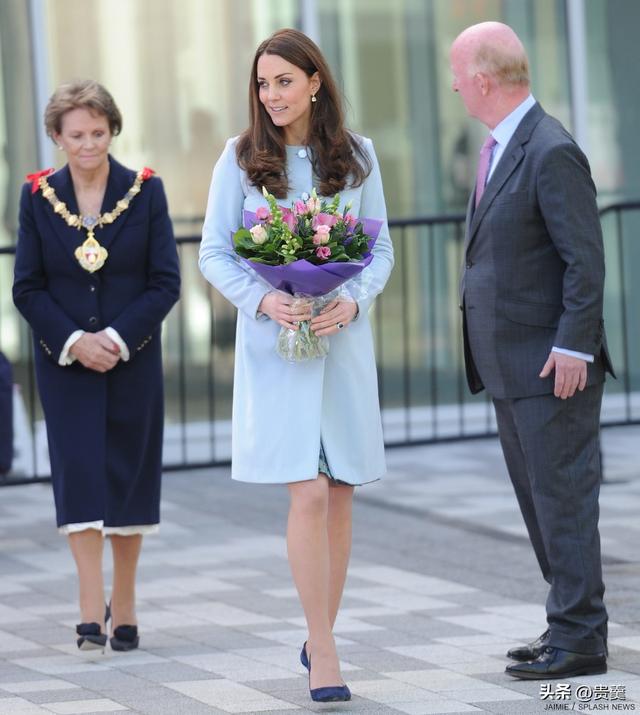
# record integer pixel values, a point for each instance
(502, 63)
(82, 94)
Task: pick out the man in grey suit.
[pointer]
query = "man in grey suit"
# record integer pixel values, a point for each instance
(532, 294)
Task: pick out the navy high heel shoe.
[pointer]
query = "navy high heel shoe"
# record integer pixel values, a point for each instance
(328, 694)
(125, 638)
(90, 637)
(304, 658)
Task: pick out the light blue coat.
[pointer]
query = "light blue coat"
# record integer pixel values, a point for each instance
(282, 409)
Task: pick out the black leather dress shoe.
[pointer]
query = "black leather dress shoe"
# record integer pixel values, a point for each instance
(557, 663)
(530, 651)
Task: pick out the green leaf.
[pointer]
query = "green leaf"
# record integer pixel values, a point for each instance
(266, 261)
(240, 237)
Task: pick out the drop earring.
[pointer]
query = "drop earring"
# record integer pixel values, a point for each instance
(313, 98)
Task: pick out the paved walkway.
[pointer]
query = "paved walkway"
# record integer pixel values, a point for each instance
(442, 583)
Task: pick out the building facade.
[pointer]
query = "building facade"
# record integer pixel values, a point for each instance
(179, 71)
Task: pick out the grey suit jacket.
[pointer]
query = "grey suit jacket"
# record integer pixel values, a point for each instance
(533, 273)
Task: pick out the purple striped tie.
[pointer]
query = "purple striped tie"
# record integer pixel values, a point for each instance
(483, 166)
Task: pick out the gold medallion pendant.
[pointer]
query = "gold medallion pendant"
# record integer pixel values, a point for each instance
(90, 255)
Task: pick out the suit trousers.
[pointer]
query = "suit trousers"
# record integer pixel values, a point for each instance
(552, 450)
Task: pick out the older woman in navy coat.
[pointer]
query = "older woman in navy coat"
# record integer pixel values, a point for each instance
(96, 272)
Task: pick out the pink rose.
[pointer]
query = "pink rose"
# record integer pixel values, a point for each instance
(289, 218)
(262, 214)
(323, 220)
(323, 252)
(300, 207)
(321, 236)
(350, 220)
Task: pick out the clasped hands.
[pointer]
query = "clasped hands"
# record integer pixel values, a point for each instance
(288, 311)
(96, 351)
(571, 374)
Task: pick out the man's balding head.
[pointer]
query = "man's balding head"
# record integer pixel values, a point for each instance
(491, 70)
(494, 49)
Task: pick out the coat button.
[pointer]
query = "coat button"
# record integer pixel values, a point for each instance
(302, 153)
(93, 320)
(469, 263)
(92, 288)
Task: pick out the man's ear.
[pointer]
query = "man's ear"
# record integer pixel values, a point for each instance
(482, 82)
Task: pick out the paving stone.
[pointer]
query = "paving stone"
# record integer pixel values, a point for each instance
(442, 583)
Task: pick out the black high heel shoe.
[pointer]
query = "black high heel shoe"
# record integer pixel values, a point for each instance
(125, 638)
(90, 635)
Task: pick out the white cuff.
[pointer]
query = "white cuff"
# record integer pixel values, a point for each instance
(573, 353)
(146, 529)
(65, 358)
(115, 336)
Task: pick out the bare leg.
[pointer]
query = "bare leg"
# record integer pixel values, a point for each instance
(339, 527)
(308, 550)
(126, 551)
(87, 547)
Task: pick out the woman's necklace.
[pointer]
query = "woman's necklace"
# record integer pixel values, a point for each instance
(90, 255)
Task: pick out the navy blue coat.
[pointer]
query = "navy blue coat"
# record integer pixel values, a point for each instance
(104, 429)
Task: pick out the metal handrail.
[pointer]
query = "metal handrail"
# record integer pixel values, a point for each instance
(413, 390)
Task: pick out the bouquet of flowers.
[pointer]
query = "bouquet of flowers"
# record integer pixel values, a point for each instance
(309, 251)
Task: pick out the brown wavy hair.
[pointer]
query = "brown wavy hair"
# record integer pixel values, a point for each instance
(81, 94)
(336, 155)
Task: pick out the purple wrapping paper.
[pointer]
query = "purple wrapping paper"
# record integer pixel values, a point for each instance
(308, 278)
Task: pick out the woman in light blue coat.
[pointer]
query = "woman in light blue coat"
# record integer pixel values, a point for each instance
(313, 425)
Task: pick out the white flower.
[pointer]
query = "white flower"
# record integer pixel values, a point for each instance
(258, 234)
(313, 205)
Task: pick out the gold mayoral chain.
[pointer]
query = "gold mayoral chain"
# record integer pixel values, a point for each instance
(91, 255)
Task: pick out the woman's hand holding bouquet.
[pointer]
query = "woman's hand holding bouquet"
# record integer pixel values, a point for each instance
(308, 252)
(280, 307)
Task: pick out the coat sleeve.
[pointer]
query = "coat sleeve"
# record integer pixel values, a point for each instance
(49, 322)
(218, 262)
(567, 200)
(145, 314)
(374, 277)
